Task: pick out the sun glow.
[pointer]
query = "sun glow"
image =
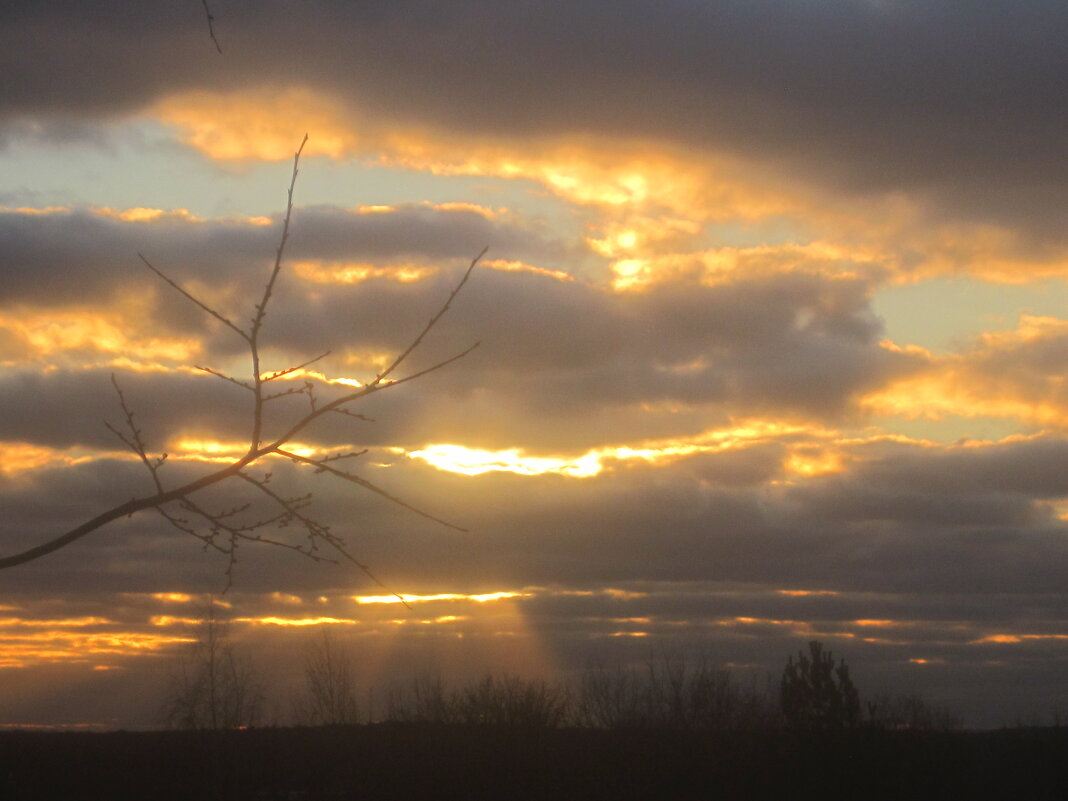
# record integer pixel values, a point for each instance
(521, 267)
(475, 461)
(173, 597)
(809, 461)
(207, 450)
(479, 598)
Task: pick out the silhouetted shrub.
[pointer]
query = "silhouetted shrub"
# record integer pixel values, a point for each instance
(817, 694)
(670, 692)
(491, 701)
(909, 712)
(426, 700)
(512, 701)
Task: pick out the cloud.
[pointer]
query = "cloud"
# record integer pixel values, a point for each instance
(1015, 373)
(679, 371)
(967, 121)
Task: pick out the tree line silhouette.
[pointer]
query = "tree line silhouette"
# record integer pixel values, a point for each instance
(215, 686)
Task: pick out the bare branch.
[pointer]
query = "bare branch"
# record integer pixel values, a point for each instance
(194, 299)
(357, 415)
(433, 320)
(363, 392)
(135, 443)
(211, 26)
(225, 377)
(122, 510)
(362, 482)
(284, 393)
(318, 531)
(261, 308)
(288, 370)
(337, 457)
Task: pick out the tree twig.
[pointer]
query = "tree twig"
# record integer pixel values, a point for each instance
(211, 25)
(322, 467)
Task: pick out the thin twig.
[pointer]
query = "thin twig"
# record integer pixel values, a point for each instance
(224, 377)
(135, 443)
(337, 457)
(362, 482)
(284, 393)
(363, 392)
(433, 320)
(288, 370)
(261, 308)
(357, 415)
(195, 300)
(320, 531)
(211, 26)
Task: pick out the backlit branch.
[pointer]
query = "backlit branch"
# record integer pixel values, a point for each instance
(321, 467)
(211, 26)
(301, 366)
(224, 531)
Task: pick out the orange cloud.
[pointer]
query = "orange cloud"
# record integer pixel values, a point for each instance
(443, 596)
(16, 457)
(644, 192)
(48, 333)
(321, 271)
(473, 461)
(805, 593)
(267, 124)
(1004, 374)
(299, 622)
(66, 643)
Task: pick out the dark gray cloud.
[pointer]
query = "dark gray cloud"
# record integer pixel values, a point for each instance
(63, 257)
(961, 104)
(861, 532)
(959, 107)
(561, 363)
(705, 562)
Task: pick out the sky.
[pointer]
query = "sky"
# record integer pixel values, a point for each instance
(772, 325)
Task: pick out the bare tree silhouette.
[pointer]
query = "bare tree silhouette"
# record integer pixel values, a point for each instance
(223, 530)
(329, 688)
(213, 686)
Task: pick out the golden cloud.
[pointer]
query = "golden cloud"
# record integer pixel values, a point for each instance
(39, 333)
(474, 461)
(1004, 374)
(646, 194)
(480, 598)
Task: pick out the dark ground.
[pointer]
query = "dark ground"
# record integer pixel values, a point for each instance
(417, 761)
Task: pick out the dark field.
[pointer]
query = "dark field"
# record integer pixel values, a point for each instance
(420, 761)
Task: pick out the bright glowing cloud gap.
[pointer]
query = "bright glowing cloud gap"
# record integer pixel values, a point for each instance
(444, 596)
(474, 461)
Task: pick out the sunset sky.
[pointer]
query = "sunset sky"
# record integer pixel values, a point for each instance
(773, 325)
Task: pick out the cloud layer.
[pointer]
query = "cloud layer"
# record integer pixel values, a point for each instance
(683, 420)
